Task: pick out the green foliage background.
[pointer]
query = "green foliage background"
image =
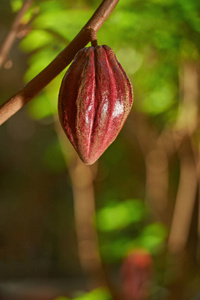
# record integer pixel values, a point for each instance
(152, 40)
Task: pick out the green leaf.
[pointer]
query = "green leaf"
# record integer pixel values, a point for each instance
(158, 100)
(40, 107)
(66, 22)
(16, 5)
(130, 59)
(98, 294)
(39, 61)
(36, 39)
(117, 216)
(153, 236)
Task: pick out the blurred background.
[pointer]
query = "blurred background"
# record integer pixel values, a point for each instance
(71, 231)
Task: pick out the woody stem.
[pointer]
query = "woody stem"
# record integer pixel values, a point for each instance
(93, 37)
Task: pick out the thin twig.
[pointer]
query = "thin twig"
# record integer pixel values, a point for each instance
(12, 35)
(33, 87)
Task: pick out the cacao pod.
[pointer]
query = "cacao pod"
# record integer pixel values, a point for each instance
(136, 274)
(95, 99)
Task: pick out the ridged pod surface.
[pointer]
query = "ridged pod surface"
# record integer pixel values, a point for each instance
(94, 101)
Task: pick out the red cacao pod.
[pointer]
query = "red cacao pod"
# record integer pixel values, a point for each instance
(136, 274)
(94, 101)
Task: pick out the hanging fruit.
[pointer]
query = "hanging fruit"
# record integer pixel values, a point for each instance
(94, 101)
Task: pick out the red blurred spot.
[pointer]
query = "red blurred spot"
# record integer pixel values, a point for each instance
(136, 274)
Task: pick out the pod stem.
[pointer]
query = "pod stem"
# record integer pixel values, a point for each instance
(93, 37)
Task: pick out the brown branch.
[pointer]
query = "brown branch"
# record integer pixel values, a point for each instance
(185, 200)
(33, 87)
(12, 35)
(187, 125)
